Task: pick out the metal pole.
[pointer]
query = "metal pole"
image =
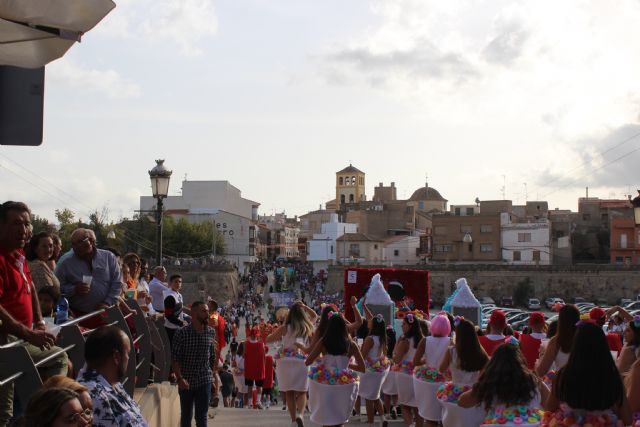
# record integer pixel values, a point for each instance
(159, 232)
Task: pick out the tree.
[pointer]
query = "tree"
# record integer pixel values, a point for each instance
(41, 224)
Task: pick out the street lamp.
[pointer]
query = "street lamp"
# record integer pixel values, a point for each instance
(467, 238)
(160, 177)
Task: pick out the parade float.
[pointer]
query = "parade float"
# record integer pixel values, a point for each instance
(463, 303)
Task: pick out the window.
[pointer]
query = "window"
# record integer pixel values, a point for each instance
(342, 199)
(536, 256)
(516, 255)
(340, 181)
(442, 248)
(331, 249)
(466, 228)
(351, 198)
(486, 247)
(619, 260)
(353, 180)
(396, 252)
(469, 211)
(604, 217)
(375, 246)
(354, 249)
(486, 228)
(627, 260)
(524, 237)
(586, 217)
(420, 205)
(623, 241)
(252, 232)
(457, 212)
(440, 230)
(559, 234)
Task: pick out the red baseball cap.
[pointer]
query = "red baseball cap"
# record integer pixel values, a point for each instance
(497, 318)
(596, 313)
(536, 318)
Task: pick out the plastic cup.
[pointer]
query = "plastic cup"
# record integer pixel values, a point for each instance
(131, 293)
(87, 280)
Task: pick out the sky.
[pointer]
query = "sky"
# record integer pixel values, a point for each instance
(533, 99)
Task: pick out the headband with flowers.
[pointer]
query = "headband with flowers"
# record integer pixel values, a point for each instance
(332, 314)
(410, 317)
(457, 320)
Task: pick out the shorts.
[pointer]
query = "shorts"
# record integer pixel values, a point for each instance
(249, 383)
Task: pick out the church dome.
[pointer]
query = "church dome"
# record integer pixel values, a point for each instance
(427, 194)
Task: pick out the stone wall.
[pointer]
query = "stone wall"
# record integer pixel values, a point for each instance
(593, 282)
(221, 284)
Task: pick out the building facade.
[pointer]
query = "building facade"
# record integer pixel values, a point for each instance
(401, 250)
(322, 248)
(449, 233)
(527, 241)
(625, 241)
(359, 248)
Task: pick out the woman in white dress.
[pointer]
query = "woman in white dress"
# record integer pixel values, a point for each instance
(427, 376)
(556, 353)
(389, 386)
(238, 375)
(403, 368)
(334, 386)
(291, 371)
(464, 360)
(377, 364)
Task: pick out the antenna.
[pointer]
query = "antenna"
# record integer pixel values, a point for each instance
(503, 189)
(525, 192)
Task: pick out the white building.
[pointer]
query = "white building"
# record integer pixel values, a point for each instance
(527, 241)
(401, 250)
(221, 203)
(322, 249)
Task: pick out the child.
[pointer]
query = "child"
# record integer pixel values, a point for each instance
(464, 360)
(254, 371)
(428, 377)
(403, 368)
(174, 317)
(334, 386)
(377, 364)
(48, 297)
(507, 384)
(238, 375)
(588, 389)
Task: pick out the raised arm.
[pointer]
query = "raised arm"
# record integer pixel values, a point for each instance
(353, 327)
(277, 334)
(314, 353)
(621, 311)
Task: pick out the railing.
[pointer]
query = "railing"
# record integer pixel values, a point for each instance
(151, 342)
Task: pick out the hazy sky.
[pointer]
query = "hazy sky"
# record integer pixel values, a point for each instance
(276, 96)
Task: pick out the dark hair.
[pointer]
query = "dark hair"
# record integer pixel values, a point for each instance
(240, 350)
(471, 355)
(635, 342)
(391, 341)
(196, 304)
(590, 379)
(324, 320)
(101, 344)
(414, 331)
(379, 329)
(506, 379)
(174, 277)
(12, 206)
(424, 327)
(45, 404)
(568, 316)
(552, 330)
(52, 291)
(336, 339)
(32, 247)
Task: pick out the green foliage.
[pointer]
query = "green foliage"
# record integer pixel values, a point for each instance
(42, 224)
(523, 291)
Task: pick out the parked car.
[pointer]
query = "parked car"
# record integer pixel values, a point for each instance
(507, 301)
(633, 306)
(577, 300)
(487, 300)
(533, 304)
(625, 302)
(551, 302)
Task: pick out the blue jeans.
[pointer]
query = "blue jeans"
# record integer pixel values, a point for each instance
(199, 396)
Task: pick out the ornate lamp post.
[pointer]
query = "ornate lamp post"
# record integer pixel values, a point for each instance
(160, 177)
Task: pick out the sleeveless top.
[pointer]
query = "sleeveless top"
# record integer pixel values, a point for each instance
(374, 353)
(289, 340)
(561, 359)
(408, 357)
(435, 348)
(458, 376)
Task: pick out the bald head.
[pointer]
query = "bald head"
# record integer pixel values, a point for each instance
(83, 241)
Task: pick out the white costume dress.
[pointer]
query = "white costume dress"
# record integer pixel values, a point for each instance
(452, 414)
(428, 405)
(331, 404)
(291, 372)
(404, 379)
(238, 375)
(371, 381)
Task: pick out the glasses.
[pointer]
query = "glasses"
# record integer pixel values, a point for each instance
(86, 415)
(81, 241)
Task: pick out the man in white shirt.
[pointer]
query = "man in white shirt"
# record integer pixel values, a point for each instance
(174, 316)
(157, 286)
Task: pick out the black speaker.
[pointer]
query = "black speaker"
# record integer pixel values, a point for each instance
(21, 105)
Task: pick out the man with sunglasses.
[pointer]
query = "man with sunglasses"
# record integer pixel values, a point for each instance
(89, 261)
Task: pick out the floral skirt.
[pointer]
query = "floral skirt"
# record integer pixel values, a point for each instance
(452, 414)
(291, 373)
(513, 416)
(331, 404)
(428, 404)
(565, 416)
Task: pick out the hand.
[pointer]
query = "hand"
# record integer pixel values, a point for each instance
(82, 288)
(41, 339)
(142, 294)
(183, 384)
(353, 300)
(40, 327)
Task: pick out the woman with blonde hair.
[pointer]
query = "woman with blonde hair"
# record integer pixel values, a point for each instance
(291, 371)
(62, 381)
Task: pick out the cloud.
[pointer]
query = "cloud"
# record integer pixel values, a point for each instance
(506, 47)
(180, 23)
(106, 82)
